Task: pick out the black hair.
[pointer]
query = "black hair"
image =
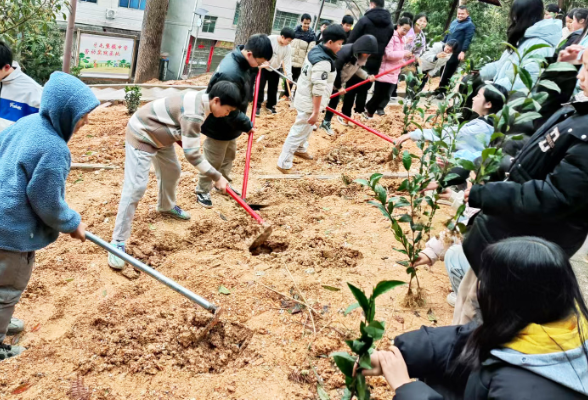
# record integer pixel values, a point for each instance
(522, 280)
(378, 3)
(5, 55)
(497, 97)
(570, 14)
(334, 33)
(288, 33)
(261, 46)
(407, 14)
(453, 44)
(581, 14)
(305, 16)
(403, 21)
(553, 8)
(464, 8)
(326, 22)
(347, 19)
(228, 92)
(421, 15)
(523, 15)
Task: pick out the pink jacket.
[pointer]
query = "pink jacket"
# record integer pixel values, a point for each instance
(393, 56)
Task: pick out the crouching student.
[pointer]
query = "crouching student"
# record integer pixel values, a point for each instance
(474, 136)
(350, 60)
(220, 146)
(312, 95)
(531, 345)
(151, 135)
(34, 165)
(434, 59)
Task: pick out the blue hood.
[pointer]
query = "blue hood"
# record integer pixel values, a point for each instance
(548, 30)
(65, 101)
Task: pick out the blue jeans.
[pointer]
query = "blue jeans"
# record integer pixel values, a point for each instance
(456, 265)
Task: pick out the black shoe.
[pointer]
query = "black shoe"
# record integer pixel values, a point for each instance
(273, 110)
(380, 112)
(258, 111)
(440, 96)
(204, 200)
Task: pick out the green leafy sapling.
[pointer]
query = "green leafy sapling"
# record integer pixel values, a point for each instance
(362, 347)
(132, 98)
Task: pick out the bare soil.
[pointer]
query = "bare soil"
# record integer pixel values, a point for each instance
(136, 339)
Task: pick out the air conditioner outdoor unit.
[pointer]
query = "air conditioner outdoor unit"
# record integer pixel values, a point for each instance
(110, 13)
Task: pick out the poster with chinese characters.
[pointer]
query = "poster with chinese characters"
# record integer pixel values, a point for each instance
(102, 56)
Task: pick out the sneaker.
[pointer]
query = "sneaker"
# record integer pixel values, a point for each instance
(451, 299)
(258, 111)
(326, 126)
(287, 171)
(7, 351)
(204, 200)
(314, 128)
(113, 261)
(367, 115)
(342, 121)
(177, 213)
(304, 156)
(15, 326)
(380, 112)
(273, 110)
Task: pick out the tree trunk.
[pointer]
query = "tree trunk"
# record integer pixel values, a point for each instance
(451, 15)
(150, 44)
(398, 11)
(257, 16)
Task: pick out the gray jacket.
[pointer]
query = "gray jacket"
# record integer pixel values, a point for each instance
(429, 61)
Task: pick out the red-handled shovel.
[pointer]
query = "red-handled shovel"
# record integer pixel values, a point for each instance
(250, 142)
(267, 228)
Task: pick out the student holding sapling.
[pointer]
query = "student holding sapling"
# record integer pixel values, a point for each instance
(151, 135)
(315, 86)
(34, 165)
(474, 136)
(530, 344)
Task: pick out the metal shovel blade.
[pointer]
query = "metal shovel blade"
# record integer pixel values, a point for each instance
(213, 322)
(261, 239)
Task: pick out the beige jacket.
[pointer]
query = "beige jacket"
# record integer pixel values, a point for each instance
(299, 51)
(316, 79)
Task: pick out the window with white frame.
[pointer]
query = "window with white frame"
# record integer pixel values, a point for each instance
(209, 24)
(136, 4)
(237, 13)
(331, 1)
(285, 20)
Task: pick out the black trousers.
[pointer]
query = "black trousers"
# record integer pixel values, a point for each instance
(356, 96)
(333, 104)
(449, 70)
(381, 97)
(273, 80)
(296, 73)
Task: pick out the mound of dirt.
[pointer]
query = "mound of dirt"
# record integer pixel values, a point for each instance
(323, 252)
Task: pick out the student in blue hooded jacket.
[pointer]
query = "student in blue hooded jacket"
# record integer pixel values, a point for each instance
(34, 165)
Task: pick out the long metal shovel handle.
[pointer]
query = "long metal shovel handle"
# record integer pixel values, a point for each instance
(153, 273)
(282, 75)
(367, 128)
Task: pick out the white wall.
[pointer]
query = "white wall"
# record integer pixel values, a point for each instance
(95, 14)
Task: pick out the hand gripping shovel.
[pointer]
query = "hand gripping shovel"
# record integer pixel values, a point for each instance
(216, 311)
(267, 228)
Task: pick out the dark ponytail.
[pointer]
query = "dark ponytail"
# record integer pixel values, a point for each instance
(523, 15)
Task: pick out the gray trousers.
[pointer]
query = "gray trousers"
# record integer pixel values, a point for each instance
(15, 272)
(137, 165)
(220, 154)
(297, 140)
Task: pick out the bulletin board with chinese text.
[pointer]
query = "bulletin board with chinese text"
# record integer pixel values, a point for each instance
(105, 56)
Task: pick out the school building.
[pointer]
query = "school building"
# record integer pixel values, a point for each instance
(212, 30)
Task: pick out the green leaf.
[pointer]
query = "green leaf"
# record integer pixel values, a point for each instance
(363, 393)
(403, 186)
(380, 207)
(550, 85)
(450, 176)
(381, 193)
(535, 47)
(526, 117)
(331, 288)
(351, 308)
(467, 164)
(375, 178)
(362, 182)
(406, 160)
(345, 362)
(561, 67)
(223, 290)
(526, 78)
(496, 135)
(322, 393)
(357, 346)
(488, 152)
(365, 361)
(385, 286)
(540, 97)
(405, 218)
(360, 297)
(493, 89)
(375, 329)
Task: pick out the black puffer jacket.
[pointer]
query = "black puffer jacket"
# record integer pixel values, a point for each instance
(546, 191)
(430, 354)
(347, 64)
(233, 68)
(377, 22)
(308, 36)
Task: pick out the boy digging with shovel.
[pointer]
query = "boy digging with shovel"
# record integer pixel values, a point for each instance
(151, 134)
(34, 164)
